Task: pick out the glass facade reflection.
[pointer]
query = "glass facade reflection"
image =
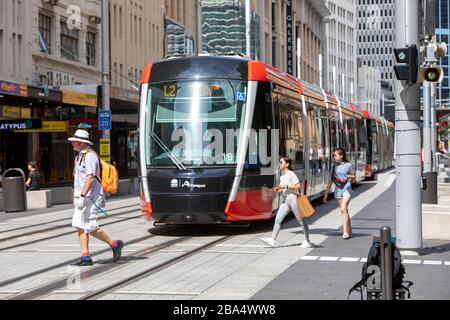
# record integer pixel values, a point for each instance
(223, 27)
(443, 35)
(177, 40)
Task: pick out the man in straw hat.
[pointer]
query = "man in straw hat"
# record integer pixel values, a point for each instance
(89, 198)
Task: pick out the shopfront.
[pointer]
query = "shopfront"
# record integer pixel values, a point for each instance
(61, 113)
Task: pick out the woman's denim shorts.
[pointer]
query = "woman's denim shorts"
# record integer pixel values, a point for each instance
(347, 191)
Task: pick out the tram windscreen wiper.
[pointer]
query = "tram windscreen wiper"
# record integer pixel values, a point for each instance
(175, 161)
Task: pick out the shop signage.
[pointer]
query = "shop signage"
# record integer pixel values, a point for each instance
(49, 127)
(289, 37)
(80, 99)
(16, 112)
(10, 125)
(13, 88)
(105, 149)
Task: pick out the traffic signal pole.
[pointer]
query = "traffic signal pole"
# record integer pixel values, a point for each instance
(408, 125)
(105, 64)
(428, 159)
(434, 135)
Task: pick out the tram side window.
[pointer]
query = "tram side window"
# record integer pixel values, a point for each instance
(322, 134)
(300, 141)
(291, 131)
(374, 138)
(334, 129)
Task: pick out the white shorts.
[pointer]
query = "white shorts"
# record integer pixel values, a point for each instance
(86, 218)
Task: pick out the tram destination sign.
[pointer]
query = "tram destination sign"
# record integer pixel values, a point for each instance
(10, 125)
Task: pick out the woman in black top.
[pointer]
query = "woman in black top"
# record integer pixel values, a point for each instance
(34, 178)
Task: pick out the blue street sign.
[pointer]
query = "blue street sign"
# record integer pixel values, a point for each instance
(104, 120)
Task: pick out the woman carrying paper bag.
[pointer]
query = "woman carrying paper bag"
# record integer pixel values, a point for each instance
(289, 186)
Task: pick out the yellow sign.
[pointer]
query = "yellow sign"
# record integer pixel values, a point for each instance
(49, 127)
(16, 112)
(81, 99)
(105, 149)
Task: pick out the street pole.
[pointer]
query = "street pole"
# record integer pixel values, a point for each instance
(334, 81)
(321, 71)
(105, 65)
(428, 160)
(199, 26)
(408, 125)
(299, 57)
(434, 137)
(248, 22)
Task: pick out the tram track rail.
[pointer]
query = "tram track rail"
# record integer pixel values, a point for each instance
(22, 244)
(150, 271)
(47, 290)
(59, 220)
(88, 274)
(71, 261)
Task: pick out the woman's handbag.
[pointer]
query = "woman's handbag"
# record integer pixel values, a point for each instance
(305, 209)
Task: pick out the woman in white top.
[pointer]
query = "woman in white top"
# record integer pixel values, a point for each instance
(289, 184)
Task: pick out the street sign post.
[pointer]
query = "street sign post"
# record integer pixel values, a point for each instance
(104, 120)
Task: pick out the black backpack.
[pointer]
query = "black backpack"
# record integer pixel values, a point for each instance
(374, 258)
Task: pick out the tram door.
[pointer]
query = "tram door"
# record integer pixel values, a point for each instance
(315, 133)
(361, 137)
(351, 141)
(323, 137)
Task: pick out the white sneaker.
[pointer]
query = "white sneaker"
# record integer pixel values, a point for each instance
(306, 245)
(268, 241)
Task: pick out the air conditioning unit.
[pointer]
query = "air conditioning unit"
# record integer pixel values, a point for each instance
(51, 2)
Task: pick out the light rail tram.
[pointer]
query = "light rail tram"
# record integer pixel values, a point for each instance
(207, 130)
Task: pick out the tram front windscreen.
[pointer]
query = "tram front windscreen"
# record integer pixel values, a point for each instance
(194, 123)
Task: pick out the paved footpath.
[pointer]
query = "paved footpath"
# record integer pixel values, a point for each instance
(334, 266)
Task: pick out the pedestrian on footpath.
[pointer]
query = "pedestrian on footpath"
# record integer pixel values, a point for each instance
(89, 198)
(289, 187)
(34, 177)
(342, 175)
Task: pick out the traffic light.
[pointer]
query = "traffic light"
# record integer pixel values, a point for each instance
(408, 67)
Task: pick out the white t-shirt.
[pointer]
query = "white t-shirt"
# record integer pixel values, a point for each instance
(89, 166)
(290, 179)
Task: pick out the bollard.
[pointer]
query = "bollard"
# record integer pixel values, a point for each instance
(386, 263)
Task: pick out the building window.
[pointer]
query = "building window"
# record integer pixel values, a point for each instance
(90, 48)
(45, 35)
(69, 42)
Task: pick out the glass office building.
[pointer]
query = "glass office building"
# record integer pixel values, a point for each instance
(443, 35)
